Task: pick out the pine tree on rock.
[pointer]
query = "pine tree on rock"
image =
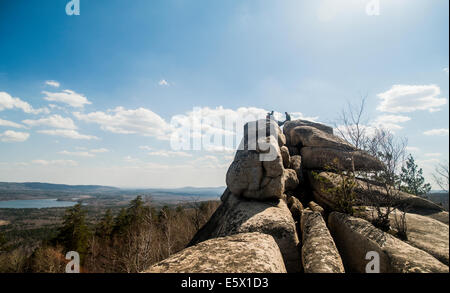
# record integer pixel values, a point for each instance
(412, 180)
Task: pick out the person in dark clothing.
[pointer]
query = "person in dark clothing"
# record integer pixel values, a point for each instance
(288, 118)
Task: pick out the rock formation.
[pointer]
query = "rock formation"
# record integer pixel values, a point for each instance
(319, 253)
(278, 214)
(355, 237)
(240, 253)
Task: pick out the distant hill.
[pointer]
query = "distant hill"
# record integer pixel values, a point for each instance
(188, 191)
(28, 186)
(37, 190)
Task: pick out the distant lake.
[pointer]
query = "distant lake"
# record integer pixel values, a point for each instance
(35, 204)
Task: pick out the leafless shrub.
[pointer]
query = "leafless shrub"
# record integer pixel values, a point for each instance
(441, 175)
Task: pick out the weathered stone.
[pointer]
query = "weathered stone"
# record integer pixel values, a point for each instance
(307, 136)
(225, 195)
(238, 215)
(290, 179)
(441, 216)
(240, 253)
(316, 208)
(295, 163)
(319, 253)
(365, 193)
(423, 232)
(319, 158)
(254, 130)
(252, 176)
(296, 207)
(285, 156)
(245, 172)
(294, 123)
(281, 139)
(356, 237)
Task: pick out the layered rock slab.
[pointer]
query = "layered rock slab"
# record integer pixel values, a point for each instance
(288, 126)
(355, 237)
(308, 136)
(319, 253)
(366, 194)
(240, 253)
(423, 232)
(238, 215)
(321, 158)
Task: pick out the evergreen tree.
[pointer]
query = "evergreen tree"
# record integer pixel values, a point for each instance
(134, 214)
(120, 222)
(136, 211)
(412, 180)
(74, 233)
(105, 227)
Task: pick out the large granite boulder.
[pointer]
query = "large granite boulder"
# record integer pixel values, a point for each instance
(285, 156)
(441, 216)
(240, 253)
(252, 177)
(319, 253)
(238, 215)
(295, 123)
(258, 169)
(295, 163)
(290, 179)
(296, 207)
(366, 193)
(423, 232)
(355, 237)
(320, 158)
(308, 136)
(255, 130)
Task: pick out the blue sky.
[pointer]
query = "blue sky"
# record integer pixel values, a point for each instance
(123, 70)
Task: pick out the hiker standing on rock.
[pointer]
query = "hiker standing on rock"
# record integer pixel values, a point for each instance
(280, 123)
(288, 118)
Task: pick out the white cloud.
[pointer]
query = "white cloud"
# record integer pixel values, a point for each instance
(55, 162)
(10, 124)
(101, 150)
(68, 97)
(140, 121)
(56, 107)
(13, 136)
(435, 132)
(428, 162)
(219, 149)
(410, 98)
(210, 162)
(84, 153)
(390, 122)
(163, 153)
(52, 83)
(445, 70)
(433, 154)
(145, 147)
(55, 121)
(78, 154)
(130, 159)
(68, 133)
(8, 102)
(163, 82)
(412, 149)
